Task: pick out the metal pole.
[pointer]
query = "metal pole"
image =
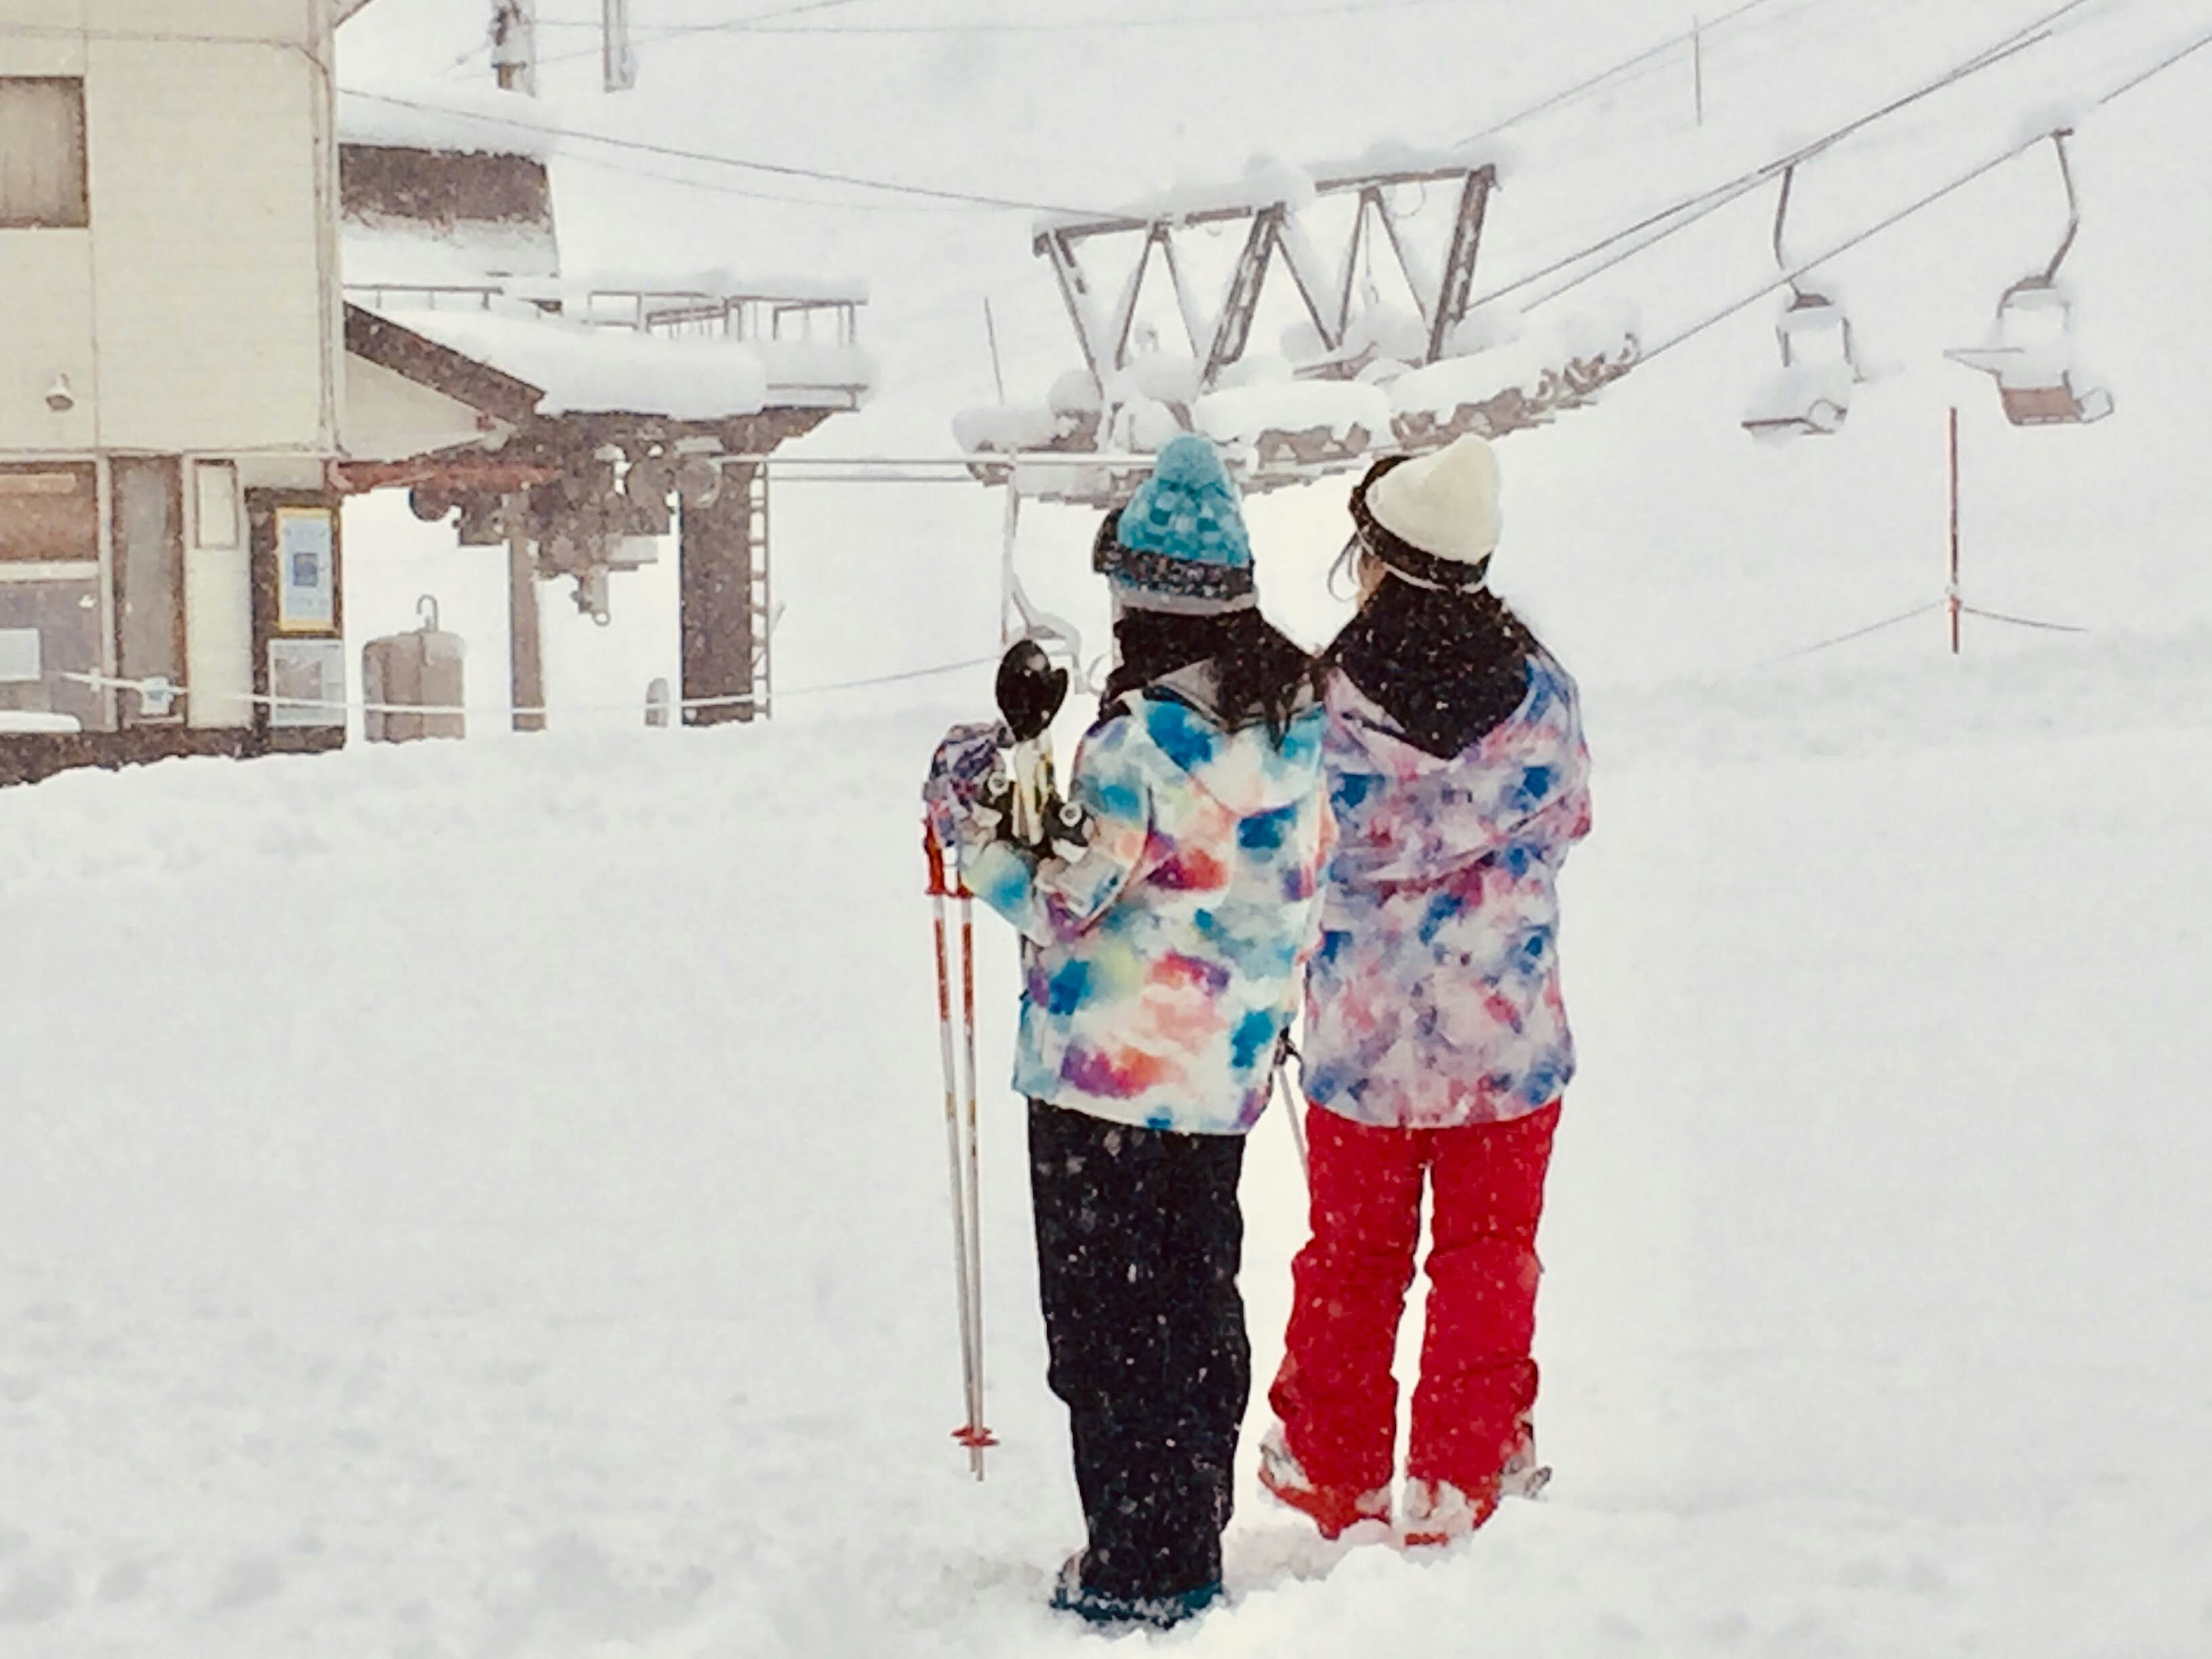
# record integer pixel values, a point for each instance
(1952, 600)
(1008, 631)
(991, 330)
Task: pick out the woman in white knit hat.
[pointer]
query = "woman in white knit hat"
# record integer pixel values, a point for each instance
(1436, 1046)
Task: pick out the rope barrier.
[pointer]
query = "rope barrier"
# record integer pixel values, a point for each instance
(1856, 634)
(104, 682)
(1903, 616)
(2019, 622)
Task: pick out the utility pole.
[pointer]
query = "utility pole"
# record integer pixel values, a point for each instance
(1698, 64)
(620, 62)
(514, 45)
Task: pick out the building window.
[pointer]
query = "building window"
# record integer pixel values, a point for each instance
(42, 163)
(215, 504)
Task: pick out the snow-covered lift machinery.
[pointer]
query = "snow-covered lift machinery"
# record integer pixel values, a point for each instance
(1811, 394)
(1355, 379)
(2030, 352)
(1330, 403)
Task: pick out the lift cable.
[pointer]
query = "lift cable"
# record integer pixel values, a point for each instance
(1916, 206)
(1680, 215)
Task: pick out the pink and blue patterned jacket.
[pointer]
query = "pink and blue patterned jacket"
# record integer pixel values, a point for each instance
(1434, 1000)
(1161, 966)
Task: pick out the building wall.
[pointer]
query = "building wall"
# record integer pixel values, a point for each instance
(388, 417)
(199, 312)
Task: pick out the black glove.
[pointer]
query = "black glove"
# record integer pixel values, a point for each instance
(1031, 689)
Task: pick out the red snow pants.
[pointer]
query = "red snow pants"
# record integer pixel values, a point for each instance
(1335, 1395)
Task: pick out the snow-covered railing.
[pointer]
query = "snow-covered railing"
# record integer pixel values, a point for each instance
(667, 350)
(674, 313)
(678, 313)
(435, 297)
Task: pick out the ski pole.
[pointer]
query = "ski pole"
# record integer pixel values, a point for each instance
(977, 1436)
(939, 891)
(1290, 1104)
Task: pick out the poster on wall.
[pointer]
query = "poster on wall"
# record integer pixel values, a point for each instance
(21, 660)
(306, 683)
(307, 582)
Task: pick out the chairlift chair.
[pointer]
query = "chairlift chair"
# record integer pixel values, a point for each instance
(2031, 350)
(1820, 364)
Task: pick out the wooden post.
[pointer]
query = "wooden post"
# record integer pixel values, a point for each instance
(1952, 600)
(526, 654)
(718, 569)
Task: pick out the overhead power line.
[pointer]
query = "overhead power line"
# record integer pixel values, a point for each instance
(673, 152)
(727, 25)
(1569, 95)
(751, 22)
(757, 24)
(754, 193)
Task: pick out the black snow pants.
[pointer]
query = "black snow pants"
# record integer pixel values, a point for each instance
(1139, 1243)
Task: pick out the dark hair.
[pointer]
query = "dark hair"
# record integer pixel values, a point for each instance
(1261, 673)
(1448, 667)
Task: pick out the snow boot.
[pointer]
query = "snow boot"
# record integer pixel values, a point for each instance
(1334, 1510)
(1438, 1513)
(1523, 1475)
(1095, 1607)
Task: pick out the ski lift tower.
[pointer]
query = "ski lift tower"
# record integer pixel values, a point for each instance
(1359, 376)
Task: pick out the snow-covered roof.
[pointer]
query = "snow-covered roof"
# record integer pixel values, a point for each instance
(392, 253)
(466, 121)
(603, 371)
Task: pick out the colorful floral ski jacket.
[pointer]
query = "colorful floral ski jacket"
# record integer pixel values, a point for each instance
(1163, 966)
(1434, 1000)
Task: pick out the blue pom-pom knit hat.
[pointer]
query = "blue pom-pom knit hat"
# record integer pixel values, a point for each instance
(1180, 544)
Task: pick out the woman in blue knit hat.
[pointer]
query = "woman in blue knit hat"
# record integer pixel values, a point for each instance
(1162, 968)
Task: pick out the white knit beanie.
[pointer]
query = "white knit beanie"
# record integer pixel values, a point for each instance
(1445, 504)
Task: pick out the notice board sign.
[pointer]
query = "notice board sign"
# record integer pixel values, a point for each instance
(306, 570)
(306, 683)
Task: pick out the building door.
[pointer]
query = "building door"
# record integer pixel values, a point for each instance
(149, 586)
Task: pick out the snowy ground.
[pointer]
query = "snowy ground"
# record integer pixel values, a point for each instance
(487, 1201)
